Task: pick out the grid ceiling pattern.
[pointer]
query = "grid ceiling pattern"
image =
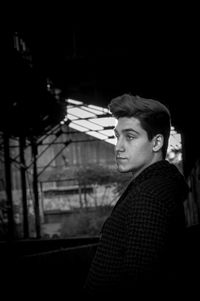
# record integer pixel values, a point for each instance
(90, 119)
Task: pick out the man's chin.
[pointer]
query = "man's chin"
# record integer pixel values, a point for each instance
(122, 170)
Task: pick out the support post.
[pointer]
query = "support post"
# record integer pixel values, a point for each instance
(22, 145)
(11, 224)
(35, 188)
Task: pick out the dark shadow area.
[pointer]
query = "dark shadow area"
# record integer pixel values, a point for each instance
(59, 267)
(46, 268)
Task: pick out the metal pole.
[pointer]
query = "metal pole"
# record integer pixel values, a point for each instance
(22, 145)
(11, 224)
(35, 189)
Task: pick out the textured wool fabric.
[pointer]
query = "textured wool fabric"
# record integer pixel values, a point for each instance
(140, 244)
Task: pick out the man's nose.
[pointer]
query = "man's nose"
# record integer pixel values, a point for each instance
(119, 145)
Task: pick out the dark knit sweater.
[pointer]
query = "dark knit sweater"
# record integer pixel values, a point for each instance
(141, 240)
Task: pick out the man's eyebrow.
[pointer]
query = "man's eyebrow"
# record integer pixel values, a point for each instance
(127, 130)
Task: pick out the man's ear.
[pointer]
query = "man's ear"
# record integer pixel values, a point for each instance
(158, 141)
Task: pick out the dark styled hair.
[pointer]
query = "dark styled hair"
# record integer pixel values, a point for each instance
(154, 116)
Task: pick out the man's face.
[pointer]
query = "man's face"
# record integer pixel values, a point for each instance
(134, 152)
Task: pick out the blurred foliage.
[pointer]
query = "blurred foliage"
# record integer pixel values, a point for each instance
(89, 221)
(18, 221)
(103, 175)
(85, 222)
(3, 219)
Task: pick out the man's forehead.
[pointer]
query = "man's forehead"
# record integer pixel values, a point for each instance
(128, 123)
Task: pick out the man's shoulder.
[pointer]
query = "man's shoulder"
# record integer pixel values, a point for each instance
(159, 185)
(156, 187)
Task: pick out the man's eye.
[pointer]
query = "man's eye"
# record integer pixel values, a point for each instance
(129, 137)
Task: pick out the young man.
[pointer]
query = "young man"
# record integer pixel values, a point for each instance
(140, 244)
